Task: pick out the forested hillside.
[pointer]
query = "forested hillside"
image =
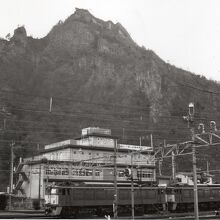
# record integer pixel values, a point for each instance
(89, 72)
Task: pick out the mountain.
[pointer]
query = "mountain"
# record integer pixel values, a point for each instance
(89, 72)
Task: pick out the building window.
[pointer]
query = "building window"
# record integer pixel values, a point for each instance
(145, 174)
(65, 171)
(98, 172)
(82, 173)
(68, 192)
(88, 172)
(56, 171)
(121, 173)
(75, 172)
(63, 191)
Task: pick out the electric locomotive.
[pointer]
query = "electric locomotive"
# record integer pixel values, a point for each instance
(99, 201)
(208, 198)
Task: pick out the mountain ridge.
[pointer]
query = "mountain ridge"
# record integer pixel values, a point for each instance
(92, 68)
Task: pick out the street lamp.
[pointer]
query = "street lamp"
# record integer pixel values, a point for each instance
(191, 109)
(190, 119)
(195, 190)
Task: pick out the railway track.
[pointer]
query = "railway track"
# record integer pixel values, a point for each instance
(168, 216)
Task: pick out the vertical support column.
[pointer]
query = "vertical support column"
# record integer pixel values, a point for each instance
(11, 176)
(151, 141)
(173, 166)
(160, 164)
(207, 166)
(39, 188)
(132, 187)
(115, 202)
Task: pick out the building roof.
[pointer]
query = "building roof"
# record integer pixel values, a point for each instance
(97, 135)
(75, 146)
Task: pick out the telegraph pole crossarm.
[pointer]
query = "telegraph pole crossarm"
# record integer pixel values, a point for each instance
(178, 149)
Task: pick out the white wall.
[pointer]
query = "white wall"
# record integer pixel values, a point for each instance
(97, 141)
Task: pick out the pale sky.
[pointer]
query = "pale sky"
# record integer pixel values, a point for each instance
(184, 32)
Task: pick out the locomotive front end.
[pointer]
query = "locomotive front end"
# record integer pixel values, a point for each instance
(52, 201)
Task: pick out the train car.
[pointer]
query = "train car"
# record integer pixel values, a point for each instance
(73, 201)
(208, 198)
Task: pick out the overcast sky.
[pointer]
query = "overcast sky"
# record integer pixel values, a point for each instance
(184, 32)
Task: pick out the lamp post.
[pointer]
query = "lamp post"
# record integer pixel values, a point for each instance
(190, 119)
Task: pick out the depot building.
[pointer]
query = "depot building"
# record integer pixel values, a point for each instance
(88, 159)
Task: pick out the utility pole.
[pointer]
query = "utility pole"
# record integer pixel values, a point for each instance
(132, 187)
(51, 104)
(115, 202)
(173, 166)
(151, 141)
(160, 164)
(207, 165)
(11, 175)
(39, 187)
(196, 208)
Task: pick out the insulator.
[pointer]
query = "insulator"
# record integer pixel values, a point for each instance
(201, 128)
(213, 125)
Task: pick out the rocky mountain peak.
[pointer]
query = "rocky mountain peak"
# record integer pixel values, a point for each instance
(20, 35)
(83, 30)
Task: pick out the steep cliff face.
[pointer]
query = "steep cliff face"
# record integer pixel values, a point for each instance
(97, 76)
(106, 58)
